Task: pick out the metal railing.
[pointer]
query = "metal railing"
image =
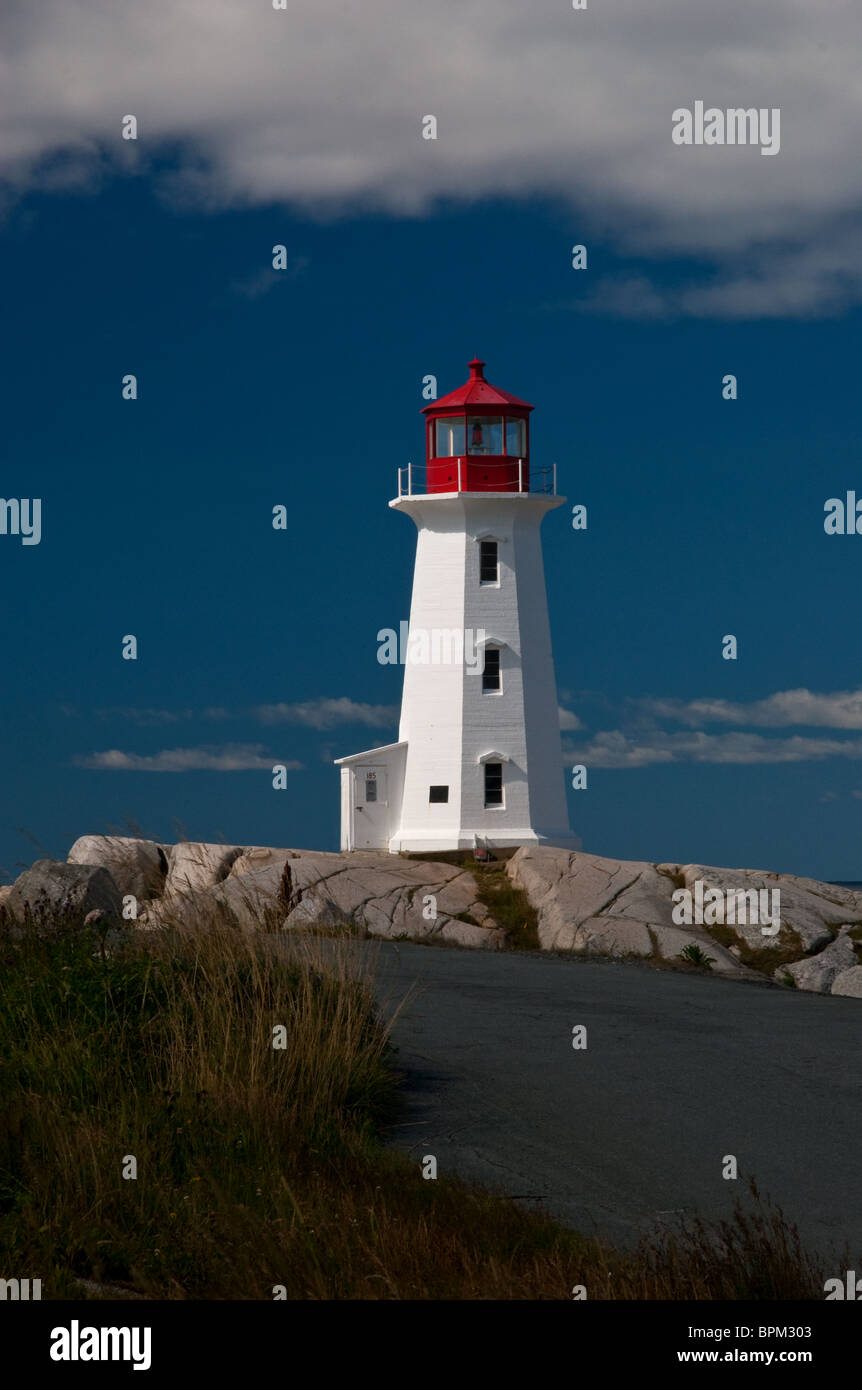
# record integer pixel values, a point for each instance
(413, 479)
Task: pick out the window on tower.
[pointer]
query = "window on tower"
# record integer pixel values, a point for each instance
(493, 784)
(449, 437)
(438, 793)
(491, 670)
(489, 564)
(484, 434)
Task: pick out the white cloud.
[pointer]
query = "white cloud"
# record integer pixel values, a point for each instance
(322, 108)
(615, 749)
(231, 757)
(321, 713)
(840, 709)
(328, 713)
(144, 716)
(258, 283)
(568, 719)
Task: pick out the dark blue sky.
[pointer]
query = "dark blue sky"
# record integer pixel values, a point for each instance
(304, 388)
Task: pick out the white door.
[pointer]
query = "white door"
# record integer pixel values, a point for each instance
(370, 808)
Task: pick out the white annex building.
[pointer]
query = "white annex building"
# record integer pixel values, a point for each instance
(478, 762)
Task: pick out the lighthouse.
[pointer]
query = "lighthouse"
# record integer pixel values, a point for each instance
(478, 762)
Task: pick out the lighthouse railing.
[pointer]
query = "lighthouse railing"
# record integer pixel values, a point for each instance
(421, 481)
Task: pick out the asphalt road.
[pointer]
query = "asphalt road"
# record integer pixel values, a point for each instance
(679, 1071)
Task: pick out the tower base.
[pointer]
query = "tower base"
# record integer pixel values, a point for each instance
(420, 842)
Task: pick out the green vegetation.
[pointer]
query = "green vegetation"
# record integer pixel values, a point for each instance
(260, 1166)
(693, 954)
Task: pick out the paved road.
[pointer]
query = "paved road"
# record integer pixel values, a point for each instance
(680, 1070)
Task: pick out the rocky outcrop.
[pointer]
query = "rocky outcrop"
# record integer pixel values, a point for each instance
(391, 897)
(812, 910)
(819, 972)
(138, 867)
(609, 907)
(585, 903)
(250, 902)
(50, 890)
(619, 907)
(380, 895)
(195, 866)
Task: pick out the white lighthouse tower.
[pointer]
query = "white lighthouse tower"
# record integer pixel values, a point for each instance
(478, 762)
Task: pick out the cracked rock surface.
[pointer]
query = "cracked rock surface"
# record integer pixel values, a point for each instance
(382, 895)
(585, 903)
(619, 907)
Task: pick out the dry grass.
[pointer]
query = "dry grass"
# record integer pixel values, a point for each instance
(788, 947)
(259, 1167)
(509, 906)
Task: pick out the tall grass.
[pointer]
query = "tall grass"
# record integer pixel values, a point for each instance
(163, 1051)
(259, 1167)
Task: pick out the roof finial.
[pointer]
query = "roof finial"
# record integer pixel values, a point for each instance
(476, 372)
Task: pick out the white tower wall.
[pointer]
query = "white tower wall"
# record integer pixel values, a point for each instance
(448, 724)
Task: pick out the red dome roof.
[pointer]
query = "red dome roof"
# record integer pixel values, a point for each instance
(477, 391)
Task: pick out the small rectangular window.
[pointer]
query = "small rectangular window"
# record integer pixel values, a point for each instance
(489, 565)
(493, 784)
(491, 670)
(371, 787)
(438, 793)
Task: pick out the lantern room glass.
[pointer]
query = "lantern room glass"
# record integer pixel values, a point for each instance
(449, 437)
(485, 434)
(516, 438)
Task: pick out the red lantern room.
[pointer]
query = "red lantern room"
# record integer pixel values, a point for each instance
(478, 439)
